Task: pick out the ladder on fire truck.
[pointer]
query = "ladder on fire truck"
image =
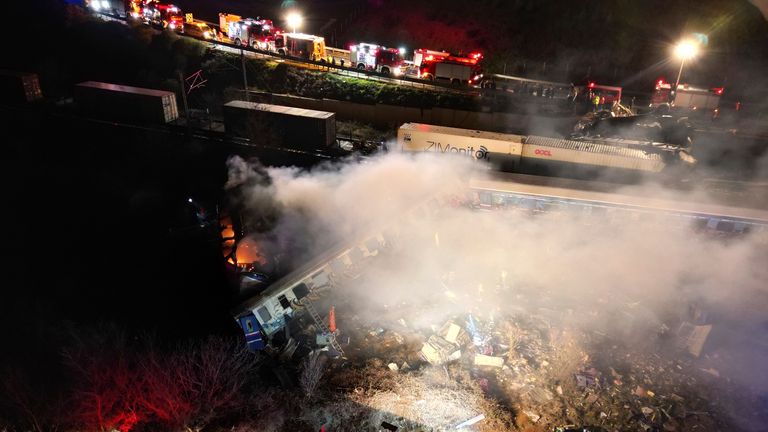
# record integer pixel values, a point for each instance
(321, 325)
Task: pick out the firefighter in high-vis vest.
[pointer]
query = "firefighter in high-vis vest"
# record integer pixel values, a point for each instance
(596, 102)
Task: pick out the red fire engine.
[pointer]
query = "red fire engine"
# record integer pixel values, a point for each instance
(389, 61)
(440, 65)
(163, 14)
(686, 96)
(257, 33)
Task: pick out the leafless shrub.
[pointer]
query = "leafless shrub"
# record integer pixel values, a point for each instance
(189, 386)
(104, 392)
(32, 406)
(311, 372)
(213, 375)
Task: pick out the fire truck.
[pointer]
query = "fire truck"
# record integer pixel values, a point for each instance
(440, 65)
(686, 97)
(304, 46)
(389, 61)
(257, 33)
(163, 15)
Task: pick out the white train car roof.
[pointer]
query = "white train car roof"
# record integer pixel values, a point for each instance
(469, 133)
(591, 147)
(721, 204)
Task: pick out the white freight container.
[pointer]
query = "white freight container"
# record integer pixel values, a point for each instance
(280, 125)
(501, 150)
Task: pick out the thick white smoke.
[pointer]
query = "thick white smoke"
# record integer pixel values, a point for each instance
(584, 267)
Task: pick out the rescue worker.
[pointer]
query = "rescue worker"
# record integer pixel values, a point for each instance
(574, 93)
(596, 103)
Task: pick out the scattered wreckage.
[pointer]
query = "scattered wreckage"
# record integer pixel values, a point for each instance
(657, 132)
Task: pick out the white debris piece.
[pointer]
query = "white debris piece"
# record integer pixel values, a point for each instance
(470, 422)
(453, 332)
(393, 366)
(438, 351)
(532, 415)
(484, 360)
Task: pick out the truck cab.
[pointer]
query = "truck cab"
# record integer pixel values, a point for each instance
(458, 69)
(256, 33)
(389, 61)
(163, 15)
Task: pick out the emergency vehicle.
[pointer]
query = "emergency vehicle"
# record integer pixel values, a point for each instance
(113, 7)
(686, 96)
(372, 57)
(605, 95)
(164, 15)
(199, 29)
(257, 33)
(299, 45)
(440, 65)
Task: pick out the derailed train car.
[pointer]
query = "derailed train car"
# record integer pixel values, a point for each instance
(571, 198)
(264, 317)
(541, 155)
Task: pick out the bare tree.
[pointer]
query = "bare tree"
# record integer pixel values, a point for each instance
(213, 375)
(185, 387)
(39, 410)
(105, 389)
(311, 373)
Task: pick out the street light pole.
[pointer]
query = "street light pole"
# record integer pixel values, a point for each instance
(684, 50)
(679, 74)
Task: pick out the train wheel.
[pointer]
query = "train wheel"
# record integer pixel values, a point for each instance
(361, 67)
(238, 41)
(385, 71)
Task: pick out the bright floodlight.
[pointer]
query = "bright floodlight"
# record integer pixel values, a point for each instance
(686, 50)
(294, 20)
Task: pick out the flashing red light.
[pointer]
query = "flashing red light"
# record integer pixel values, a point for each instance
(719, 90)
(661, 81)
(429, 58)
(591, 85)
(476, 55)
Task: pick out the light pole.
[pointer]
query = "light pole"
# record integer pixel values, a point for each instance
(294, 20)
(684, 50)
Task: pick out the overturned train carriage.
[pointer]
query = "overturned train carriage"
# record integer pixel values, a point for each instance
(264, 317)
(541, 155)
